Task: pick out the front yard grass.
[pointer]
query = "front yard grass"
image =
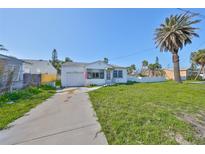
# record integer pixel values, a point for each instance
(22, 102)
(151, 113)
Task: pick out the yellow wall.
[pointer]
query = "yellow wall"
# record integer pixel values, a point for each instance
(46, 78)
(169, 74)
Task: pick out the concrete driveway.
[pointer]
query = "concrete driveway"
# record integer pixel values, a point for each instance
(65, 118)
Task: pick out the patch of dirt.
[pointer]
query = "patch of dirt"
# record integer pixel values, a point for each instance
(179, 138)
(67, 99)
(71, 91)
(198, 124)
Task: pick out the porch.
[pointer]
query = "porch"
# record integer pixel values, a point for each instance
(103, 76)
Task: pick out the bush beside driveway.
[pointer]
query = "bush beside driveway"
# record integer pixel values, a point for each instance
(151, 113)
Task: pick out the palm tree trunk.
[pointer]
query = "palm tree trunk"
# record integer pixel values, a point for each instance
(203, 73)
(175, 59)
(199, 72)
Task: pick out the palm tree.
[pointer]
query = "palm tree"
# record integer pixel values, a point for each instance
(176, 32)
(144, 66)
(151, 68)
(2, 48)
(131, 69)
(144, 63)
(198, 58)
(67, 59)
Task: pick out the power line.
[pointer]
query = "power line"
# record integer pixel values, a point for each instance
(200, 45)
(191, 12)
(141, 51)
(132, 54)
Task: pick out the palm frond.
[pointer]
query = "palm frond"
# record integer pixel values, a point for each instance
(175, 32)
(198, 57)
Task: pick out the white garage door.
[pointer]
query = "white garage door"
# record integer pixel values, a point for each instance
(75, 79)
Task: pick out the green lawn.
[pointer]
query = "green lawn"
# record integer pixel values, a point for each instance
(23, 100)
(151, 113)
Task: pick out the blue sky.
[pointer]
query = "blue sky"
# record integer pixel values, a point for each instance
(125, 36)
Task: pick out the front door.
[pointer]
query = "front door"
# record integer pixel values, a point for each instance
(108, 77)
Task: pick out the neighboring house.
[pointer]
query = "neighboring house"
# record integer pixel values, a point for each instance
(97, 73)
(169, 74)
(134, 73)
(195, 73)
(11, 73)
(41, 70)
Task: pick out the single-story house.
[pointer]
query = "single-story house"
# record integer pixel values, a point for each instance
(42, 70)
(11, 73)
(94, 73)
(169, 73)
(195, 72)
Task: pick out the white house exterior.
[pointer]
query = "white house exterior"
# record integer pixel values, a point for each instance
(39, 72)
(11, 70)
(38, 67)
(98, 73)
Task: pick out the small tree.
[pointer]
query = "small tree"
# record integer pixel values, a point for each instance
(157, 60)
(144, 67)
(157, 65)
(198, 58)
(155, 69)
(144, 63)
(193, 66)
(131, 69)
(67, 59)
(106, 60)
(151, 68)
(55, 62)
(54, 56)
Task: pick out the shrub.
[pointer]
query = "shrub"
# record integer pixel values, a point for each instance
(58, 83)
(131, 82)
(192, 77)
(19, 94)
(46, 87)
(91, 85)
(141, 75)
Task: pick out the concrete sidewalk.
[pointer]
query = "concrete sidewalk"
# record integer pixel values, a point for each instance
(65, 118)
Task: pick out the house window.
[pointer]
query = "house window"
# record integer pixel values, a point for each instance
(89, 75)
(102, 75)
(120, 74)
(95, 74)
(117, 74)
